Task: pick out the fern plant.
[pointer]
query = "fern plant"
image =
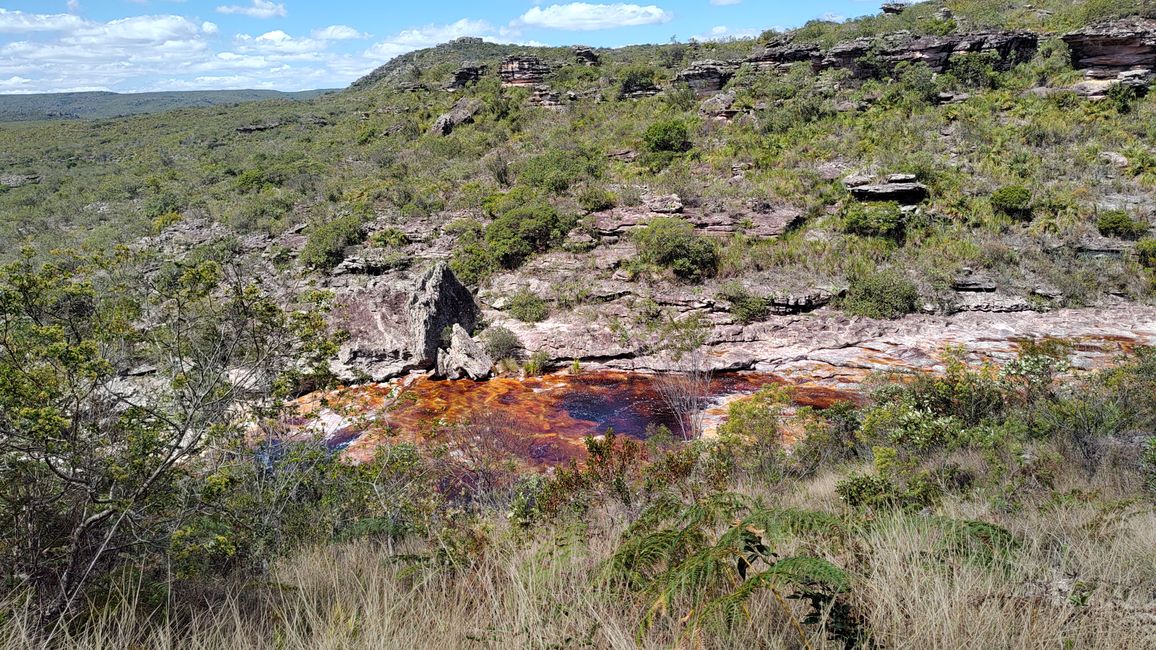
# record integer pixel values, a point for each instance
(706, 560)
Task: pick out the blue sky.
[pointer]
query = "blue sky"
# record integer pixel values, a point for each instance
(149, 45)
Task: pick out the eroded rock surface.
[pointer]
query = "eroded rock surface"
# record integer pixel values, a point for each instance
(519, 70)
(1119, 45)
(465, 357)
(463, 112)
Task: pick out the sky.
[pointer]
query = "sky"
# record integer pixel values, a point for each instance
(162, 45)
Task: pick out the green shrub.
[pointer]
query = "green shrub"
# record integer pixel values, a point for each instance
(672, 243)
(672, 136)
(745, 306)
(1117, 223)
(501, 344)
(524, 224)
(391, 237)
(536, 364)
(881, 294)
(558, 170)
(528, 307)
(1146, 252)
(327, 241)
(874, 220)
(866, 491)
(596, 199)
(1014, 201)
(636, 78)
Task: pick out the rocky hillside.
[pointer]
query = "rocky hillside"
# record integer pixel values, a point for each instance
(611, 206)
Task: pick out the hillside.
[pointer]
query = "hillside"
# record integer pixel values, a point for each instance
(839, 337)
(103, 105)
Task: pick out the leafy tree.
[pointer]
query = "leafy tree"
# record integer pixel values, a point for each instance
(101, 463)
(669, 136)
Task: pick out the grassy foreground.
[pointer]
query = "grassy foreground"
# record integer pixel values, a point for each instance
(980, 510)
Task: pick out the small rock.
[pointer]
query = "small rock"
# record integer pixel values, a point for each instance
(669, 204)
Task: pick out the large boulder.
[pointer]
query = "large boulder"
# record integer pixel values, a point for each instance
(463, 112)
(439, 303)
(901, 188)
(1117, 45)
(464, 358)
(469, 73)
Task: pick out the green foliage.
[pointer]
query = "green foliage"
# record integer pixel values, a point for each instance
(976, 70)
(672, 243)
(537, 364)
(523, 224)
(671, 136)
(884, 219)
(636, 78)
(528, 307)
(501, 344)
(596, 199)
(675, 557)
(325, 247)
(1146, 252)
(880, 294)
(1118, 223)
(1014, 201)
(745, 306)
(557, 170)
(391, 237)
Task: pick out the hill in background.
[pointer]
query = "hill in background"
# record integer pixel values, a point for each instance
(101, 105)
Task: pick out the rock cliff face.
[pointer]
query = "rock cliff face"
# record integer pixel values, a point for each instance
(395, 327)
(1120, 45)
(523, 71)
(470, 72)
(707, 77)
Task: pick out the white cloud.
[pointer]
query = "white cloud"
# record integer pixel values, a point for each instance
(724, 33)
(73, 6)
(584, 16)
(210, 28)
(338, 33)
(417, 38)
(18, 22)
(257, 9)
(725, 3)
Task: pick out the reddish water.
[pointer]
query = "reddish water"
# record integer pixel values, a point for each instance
(539, 420)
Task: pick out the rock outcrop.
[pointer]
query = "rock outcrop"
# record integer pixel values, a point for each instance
(872, 57)
(901, 188)
(707, 77)
(18, 180)
(464, 358)
(1119, 45)
(586, 56)
(463, 112)
(438, 303)
(523, 71)
(469, 73)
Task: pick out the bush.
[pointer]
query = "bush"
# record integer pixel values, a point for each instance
(672, 243)
(523, 224)
(557, 170)
(881, 294)
(528, 307)
(536, 364)
(391, 237)
(874, 220)
(501, 344)
(636, 78)
(325, 247)
(671, 136)
(1146, 252)
(1014, 201)
(596, 199)
(1117, 223)
(745, 306)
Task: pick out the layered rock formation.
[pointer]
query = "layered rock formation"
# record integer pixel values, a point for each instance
(470, 72)
(707, 77)
(1120, 45)
(523, 71)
